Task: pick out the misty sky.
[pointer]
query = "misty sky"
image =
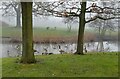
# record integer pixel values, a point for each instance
(42, 21)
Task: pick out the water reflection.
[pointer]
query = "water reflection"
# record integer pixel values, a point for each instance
(13, 50)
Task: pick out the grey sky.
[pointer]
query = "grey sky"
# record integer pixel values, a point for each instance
(43, 22)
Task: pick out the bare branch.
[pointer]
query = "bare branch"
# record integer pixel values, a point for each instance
(98, 17)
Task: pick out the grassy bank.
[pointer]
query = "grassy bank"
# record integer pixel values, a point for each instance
(38, 32)
(90, 65)
(43, 32)
(58, 35)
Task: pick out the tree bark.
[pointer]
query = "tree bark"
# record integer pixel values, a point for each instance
(18, 15)
(18, 22)
(81, 29)
(69, 27)
(27, 34)
(103, 30)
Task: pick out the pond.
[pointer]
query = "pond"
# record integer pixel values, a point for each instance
(15, 49)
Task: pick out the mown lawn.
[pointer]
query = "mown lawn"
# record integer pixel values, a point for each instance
(66, 65)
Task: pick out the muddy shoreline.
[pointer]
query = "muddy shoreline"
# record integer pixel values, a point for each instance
(54, 40)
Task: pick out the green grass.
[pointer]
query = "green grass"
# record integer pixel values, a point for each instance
(66, 65)
(0, 68)
(43, 32)
(38, 32)
(11, 32)
(96, 31)
(0, 31)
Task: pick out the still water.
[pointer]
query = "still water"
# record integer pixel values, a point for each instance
(15, 49)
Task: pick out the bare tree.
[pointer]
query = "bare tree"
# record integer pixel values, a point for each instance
(69, 21)
(12, 8)
(66, 8)
(103, 26)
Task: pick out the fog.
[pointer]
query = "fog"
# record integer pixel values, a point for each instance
(44, 21)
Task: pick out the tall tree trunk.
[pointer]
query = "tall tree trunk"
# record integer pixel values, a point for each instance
(18, 20)
(99, 32)
(69, 27)
(101, 40)
(18, 17)
(27, 33)
(81, 29)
